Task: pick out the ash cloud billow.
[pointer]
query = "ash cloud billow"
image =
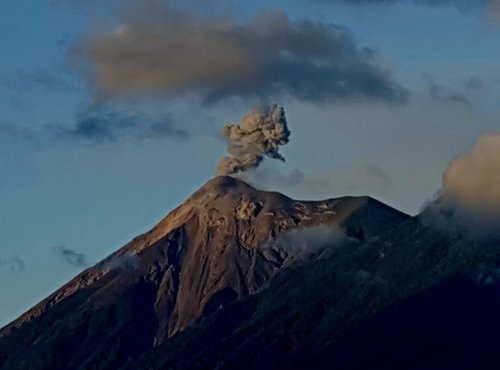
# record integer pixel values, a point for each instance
(259, 134)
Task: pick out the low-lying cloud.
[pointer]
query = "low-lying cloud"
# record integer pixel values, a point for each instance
(160, 49)
(118, 262)
(300, 243)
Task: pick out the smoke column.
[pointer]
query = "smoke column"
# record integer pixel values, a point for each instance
(259, 134)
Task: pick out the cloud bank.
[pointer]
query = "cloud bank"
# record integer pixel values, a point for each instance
(160, 49)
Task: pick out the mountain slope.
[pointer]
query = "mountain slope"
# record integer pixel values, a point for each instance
(209, 253)
(317, 313)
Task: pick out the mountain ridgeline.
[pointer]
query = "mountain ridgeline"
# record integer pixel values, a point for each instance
(241, 278)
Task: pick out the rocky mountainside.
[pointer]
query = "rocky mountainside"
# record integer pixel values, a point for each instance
(209, 252)
(241, 278)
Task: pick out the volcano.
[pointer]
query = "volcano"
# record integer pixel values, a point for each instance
(241, 278)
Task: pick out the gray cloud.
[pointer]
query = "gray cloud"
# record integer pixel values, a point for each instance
(14, 264)
(70, 256)
(159, 49)
(100, 124)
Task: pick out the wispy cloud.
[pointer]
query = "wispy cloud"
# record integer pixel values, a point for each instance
(100, 124)
(441, 93)
(70, 256)
(160, 49)
(490, 8)
(14, 264)
(118, 262)
(44, 79)
(17, 132)
(356, 179)
(459, 95)
(462, 4)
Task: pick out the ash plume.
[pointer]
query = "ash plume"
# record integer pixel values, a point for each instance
(258, 134)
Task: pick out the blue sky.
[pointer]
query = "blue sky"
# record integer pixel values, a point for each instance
(88, 195)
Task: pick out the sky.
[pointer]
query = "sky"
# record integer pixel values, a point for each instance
(112, 111)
